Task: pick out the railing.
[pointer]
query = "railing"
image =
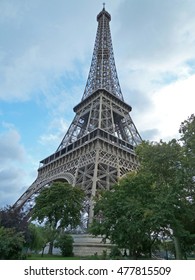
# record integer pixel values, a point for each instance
(97, 133)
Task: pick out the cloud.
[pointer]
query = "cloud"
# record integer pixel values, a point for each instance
(53, 136)
(155, 37)
(10, 146)
(154, 46)
(172, 105)
(10, 188)
(156, 32)
(149, 134)
(41, 42)
(45, 54)
(35, 53)
(12, 173)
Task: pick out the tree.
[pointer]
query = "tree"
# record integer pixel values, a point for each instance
(15, 221)
(125, 216)
(172, 195)
(13, 218)
(11, 244)
(59, 206)
(65, 243)
(38, 238)
(157, 200)
(187, 131)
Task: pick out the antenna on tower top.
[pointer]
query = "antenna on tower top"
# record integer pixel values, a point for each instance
(104, 6)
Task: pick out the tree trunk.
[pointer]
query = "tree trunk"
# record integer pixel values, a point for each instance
(42, 253)
(150, 252)
(178, 251)
(50, 252)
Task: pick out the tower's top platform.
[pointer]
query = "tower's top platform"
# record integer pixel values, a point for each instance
(104, 12)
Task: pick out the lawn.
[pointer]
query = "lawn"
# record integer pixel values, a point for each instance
(57, 257)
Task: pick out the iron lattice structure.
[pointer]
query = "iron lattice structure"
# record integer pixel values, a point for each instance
(103, 73)
(98, 147)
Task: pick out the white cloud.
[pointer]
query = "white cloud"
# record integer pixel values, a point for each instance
(40, 41)
(171, 105)
(45, 55)
(10, 188)
(54, 134)
(13, 158)
(154, 46)
(10, 146)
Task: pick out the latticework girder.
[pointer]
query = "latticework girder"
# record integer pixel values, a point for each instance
(99, 146)
(103, 74)
(104, 111)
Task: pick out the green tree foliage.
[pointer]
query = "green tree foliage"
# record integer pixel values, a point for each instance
(115, 253)
(15, 233)
(38, 238)
(65, 243)
(172, 197)
(125, 215)
(157, 200)
(13, 218)
(59, 206)
(187, 130)
(11, 244)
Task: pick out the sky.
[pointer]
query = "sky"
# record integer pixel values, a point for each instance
(45, 55)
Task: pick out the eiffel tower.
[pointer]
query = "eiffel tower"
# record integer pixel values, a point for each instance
(99, 146)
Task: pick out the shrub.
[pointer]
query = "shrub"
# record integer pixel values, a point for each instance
(11, 244)
(65, 243)
(115, 253)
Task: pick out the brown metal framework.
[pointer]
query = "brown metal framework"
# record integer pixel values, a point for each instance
(98, 147)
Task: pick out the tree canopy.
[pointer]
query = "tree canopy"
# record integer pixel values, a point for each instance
(59, 206)
(154, 202)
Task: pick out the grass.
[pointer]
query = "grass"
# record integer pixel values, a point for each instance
(57, 257)
(48, 257)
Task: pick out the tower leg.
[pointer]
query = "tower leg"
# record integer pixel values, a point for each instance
(94, 187)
